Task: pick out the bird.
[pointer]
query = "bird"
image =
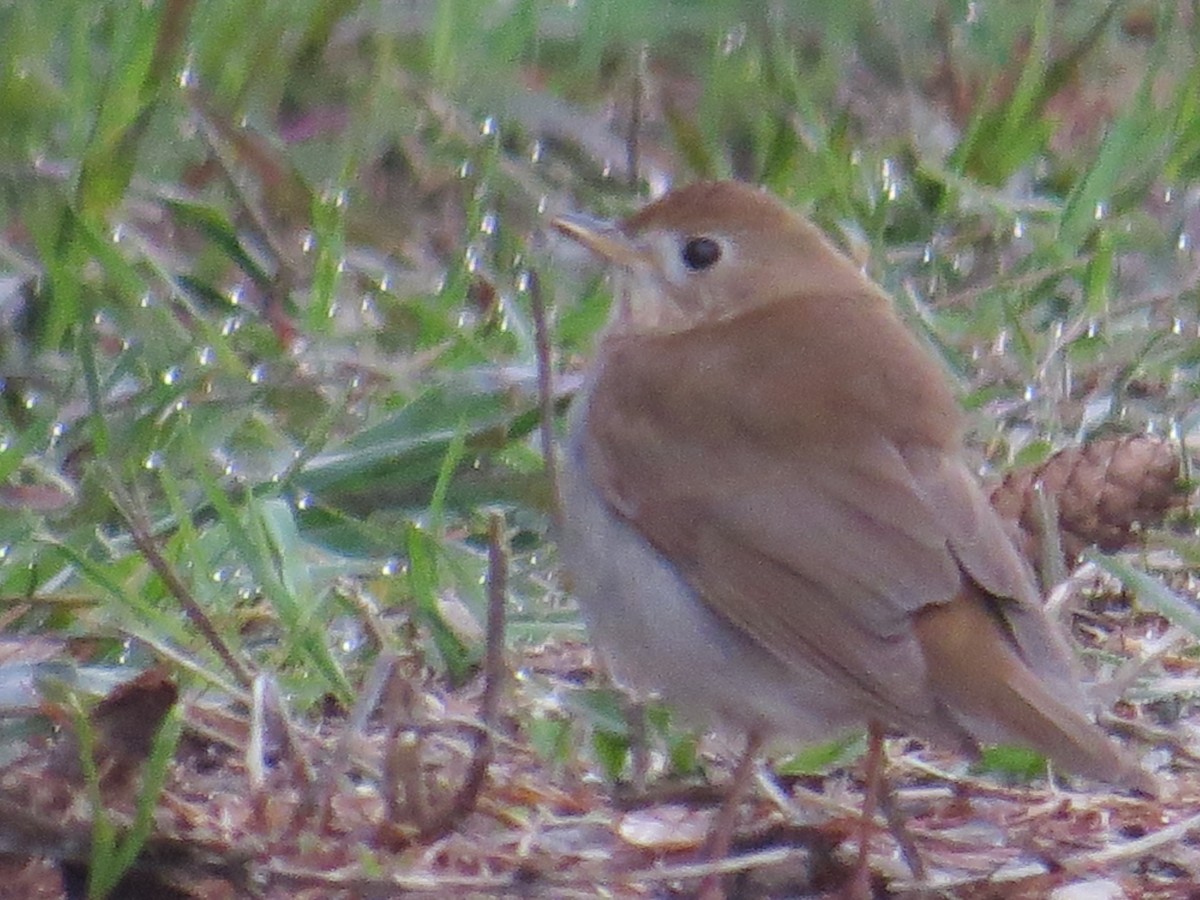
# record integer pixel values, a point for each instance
(768, 515)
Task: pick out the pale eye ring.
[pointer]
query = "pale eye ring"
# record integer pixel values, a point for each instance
(700, 253)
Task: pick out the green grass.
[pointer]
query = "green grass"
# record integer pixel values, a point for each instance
(263, 278)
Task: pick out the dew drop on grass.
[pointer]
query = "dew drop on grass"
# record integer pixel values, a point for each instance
(542, 204)
(733, 39)
(146, 301)
(5, 549)
(487, 127)
(171, 375)
(236, 294)
(206, 355)
(1030, 392)
(304, 501)
(1176, 325)
(257, 374)
(1100, 211)
(307, 242)
(488, 224)
(4, 444)
(385, 283)
(523, 282)
(535, 152)
(31, 400)
(352, 642)
(390, 567)
(465, 169)
(118, 233)
(1184, 244)
(153, 462)
(231, 325)
(1018, 229)
(927, 254)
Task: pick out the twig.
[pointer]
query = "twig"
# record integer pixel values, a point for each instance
(1133, 849)
(1133, 670)
(273, 734)
(564, 885)
(632, 141)
(139, 533)
(726, 866)
(545, 384)
(494, 670)
(494, 674)
(221, 136)
(1148, 734)
(402, 773)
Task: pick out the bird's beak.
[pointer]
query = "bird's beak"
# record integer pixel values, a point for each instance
(602, 237)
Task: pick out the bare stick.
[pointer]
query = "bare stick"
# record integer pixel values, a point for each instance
(494, 673)
(139, 532)
(545, 383)
(632, 141)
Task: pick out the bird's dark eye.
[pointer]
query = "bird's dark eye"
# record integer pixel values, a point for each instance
(700, 253)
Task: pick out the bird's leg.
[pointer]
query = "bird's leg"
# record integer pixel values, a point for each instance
(859, 887)
(879, 794)
(720, 836)
(639, 747)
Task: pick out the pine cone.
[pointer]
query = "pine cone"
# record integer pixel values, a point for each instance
(1105, 491)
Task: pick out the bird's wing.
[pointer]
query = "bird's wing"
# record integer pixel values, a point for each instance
(805, 480)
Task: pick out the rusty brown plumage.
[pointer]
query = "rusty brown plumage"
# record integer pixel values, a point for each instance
(767, 511)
